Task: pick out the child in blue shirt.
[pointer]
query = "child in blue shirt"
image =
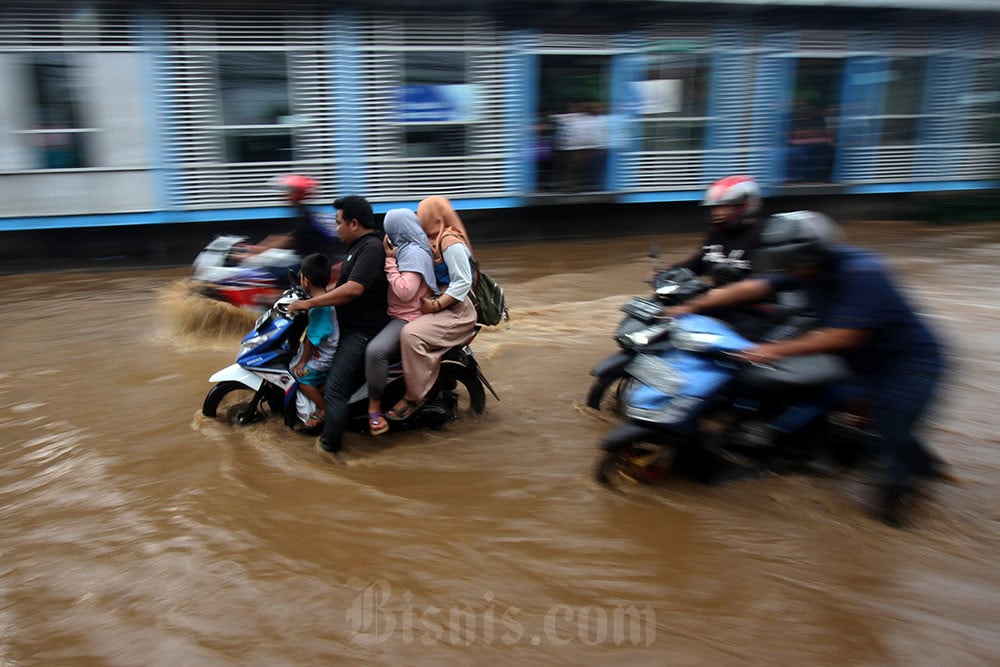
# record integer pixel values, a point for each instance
(320, 340)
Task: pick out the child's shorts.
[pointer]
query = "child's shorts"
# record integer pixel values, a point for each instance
(314, 378)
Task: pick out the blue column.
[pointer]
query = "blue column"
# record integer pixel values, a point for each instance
(156, 81)
(345, 65)
(862, 100)
(628, 66)
(521, 113)
(774, 87)
(950, 76)
(728, 83)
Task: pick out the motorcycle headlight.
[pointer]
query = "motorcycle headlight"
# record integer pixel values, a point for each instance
(644, 337)
(249, 344)
(694, 341)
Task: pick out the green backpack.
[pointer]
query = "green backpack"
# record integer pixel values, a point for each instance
(487, 295)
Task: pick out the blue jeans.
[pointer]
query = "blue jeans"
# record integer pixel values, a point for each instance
(347, 374)
(899, 399)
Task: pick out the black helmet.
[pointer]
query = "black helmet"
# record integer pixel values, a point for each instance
(796, 239)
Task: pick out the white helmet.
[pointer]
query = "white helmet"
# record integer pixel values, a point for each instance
(740, 191)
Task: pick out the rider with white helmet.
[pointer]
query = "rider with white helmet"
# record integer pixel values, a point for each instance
(732, 205)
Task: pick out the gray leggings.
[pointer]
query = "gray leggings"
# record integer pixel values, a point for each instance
(381, 349)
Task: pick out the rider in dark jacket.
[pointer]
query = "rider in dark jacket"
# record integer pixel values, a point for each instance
(863, 317)
(301, 232)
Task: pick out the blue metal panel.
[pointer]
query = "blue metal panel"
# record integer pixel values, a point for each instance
(344, 45)
(627, 67)
(774, 78)
(475, 204)
(862, 98)
(521, 113)
(158, 105)
(950, 76)
(648, 197)
(926, 186)
(727, 102)
(217, 215)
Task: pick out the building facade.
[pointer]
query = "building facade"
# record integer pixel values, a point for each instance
(136, 113)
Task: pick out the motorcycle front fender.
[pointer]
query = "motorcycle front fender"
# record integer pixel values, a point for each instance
(237, 373)
(626, 434)
(613, 366)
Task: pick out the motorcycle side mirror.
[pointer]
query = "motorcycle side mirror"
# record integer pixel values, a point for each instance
(293, 277)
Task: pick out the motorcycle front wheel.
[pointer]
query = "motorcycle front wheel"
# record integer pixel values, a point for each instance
(233, 403)
(606, 392)
(628, 454)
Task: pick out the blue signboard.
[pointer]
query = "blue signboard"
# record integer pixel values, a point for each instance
(426, 103)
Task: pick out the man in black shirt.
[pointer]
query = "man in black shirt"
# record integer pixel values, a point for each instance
(360, 300)
(733, 203)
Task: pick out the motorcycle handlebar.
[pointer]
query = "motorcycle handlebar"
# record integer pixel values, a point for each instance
(742, 360)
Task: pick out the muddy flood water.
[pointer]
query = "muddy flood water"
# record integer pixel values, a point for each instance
(137, 532)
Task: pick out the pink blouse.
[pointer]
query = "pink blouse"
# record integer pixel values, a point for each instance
(405, 291)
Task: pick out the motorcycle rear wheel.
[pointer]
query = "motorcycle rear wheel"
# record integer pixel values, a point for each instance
(472, 399)
(456, 393)
(232, 403)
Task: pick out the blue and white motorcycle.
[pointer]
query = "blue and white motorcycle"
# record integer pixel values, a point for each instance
(694, 408)
(260, 383)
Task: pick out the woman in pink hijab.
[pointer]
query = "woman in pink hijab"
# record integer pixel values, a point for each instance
(448, 318)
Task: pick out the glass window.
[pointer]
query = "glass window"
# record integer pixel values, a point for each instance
(903, 100)
(672, 102)
(255, 108)
(984, 105)
(57, 133)
(435, 105)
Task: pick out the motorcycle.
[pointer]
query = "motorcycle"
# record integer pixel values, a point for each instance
(246, 282)
(670, 287)
(696, 408)
(227, 273)
(260, 383)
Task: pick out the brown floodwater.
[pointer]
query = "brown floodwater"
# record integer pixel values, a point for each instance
(135, 531)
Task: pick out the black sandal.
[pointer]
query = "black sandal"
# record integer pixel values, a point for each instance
(404, 409)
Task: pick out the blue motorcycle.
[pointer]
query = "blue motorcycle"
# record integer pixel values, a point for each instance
(693, 407)
(260, 383)
(670, 287)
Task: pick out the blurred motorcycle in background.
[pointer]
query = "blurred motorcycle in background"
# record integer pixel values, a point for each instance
(252, 276)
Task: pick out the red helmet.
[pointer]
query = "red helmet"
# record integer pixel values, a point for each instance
(295, 186)
(740, 191)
